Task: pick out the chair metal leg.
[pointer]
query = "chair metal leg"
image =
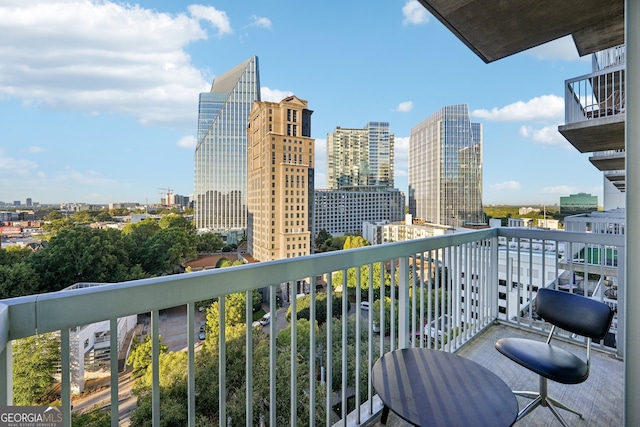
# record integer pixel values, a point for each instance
(542, 398)
(385, 415)
(561, 405)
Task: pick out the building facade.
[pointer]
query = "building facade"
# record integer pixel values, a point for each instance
(345, 210)
(358, 157)
(220, 199)
(280, 180)
(445, 168)
(578, 203)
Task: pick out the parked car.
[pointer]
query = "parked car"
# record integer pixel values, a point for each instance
(265, 319)
(202, 336)
(364, 305)
(438, 327)
(256, 324)
(376, 327)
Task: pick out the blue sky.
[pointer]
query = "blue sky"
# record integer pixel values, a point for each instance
(99, 99)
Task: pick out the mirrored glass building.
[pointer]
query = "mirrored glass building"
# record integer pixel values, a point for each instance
(221, 153)
(445, 168)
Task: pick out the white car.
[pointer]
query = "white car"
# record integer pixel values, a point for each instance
(438, 327)
(364, 305)
(265, 319)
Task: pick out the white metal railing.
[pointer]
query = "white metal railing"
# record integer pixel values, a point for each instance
(484, 275)
(596, 95)
(608, 58)
(608, 154)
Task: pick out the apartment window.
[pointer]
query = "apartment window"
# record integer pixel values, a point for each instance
(295, 116)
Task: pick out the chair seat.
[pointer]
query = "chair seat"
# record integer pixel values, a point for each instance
(544, 359)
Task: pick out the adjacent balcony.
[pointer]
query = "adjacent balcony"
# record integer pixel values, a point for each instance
(483, 281)
(595, 110)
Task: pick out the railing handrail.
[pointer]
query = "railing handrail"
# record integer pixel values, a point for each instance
(602, 72)
(75, 307)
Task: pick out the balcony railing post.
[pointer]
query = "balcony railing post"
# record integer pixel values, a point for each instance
(403, 303)
(155, 368)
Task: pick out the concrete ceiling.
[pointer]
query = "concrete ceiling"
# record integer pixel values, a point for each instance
(602, 134)
(495, 29)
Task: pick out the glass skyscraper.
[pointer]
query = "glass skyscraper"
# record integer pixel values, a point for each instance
(445, 168)
(221, 153)
(358, 157)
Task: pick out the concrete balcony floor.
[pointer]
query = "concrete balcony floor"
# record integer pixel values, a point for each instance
(600, 399)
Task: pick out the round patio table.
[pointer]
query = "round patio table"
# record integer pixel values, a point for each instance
(434, 388)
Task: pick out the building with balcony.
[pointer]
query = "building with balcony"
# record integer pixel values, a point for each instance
(344, 210)
(280, 179)
(445, 168)
(220, 198)
(357, 157)
(595, 119)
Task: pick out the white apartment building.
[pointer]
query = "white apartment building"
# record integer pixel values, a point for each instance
(345, 210)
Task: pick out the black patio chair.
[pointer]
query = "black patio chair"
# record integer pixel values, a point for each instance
(573, 313)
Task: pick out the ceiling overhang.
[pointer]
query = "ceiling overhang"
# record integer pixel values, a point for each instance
(497, 29)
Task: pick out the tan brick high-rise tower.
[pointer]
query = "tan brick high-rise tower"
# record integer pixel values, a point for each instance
(280, 155)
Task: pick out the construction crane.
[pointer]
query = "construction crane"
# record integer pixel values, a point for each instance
(167, 192)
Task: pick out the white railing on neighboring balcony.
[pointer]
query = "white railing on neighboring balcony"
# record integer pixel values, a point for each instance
(609, 58)
(596, 95)
(487, 275)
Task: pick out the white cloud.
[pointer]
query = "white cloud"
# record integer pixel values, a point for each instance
(405, 107)
(414, 13)
(89, 178)
(102, 56)
(559, 190)
(216, 18)
(11, 167)
(35, 149)
(547, 135)
(188, 141)
(539, 109)
(507, 185)
(273, 95)
(560, 49)
(259, 21)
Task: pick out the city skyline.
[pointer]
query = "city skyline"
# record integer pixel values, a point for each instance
(111, 114)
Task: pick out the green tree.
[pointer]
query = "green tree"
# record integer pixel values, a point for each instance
(352, 283)
(57, 225)
(103, 216)
(173, 369)
(135, 237)
(83, 217)
(82, 254)
(303, 308)
(140, 356)
(53, 215)
(118, 212)
(13, 255)
(95, 418)
(209, 242)
(18, 280)
(321, 239)
(35, 360)
(165, 251)
(176, 221)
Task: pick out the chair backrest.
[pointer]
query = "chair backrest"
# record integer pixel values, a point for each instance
(574, 313)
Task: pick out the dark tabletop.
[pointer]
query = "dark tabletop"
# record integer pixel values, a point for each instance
(436, 388)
